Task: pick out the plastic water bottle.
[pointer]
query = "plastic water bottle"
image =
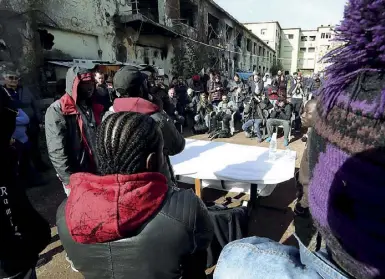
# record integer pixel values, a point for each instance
(273, 148)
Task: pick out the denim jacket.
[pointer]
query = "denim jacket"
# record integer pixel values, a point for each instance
(262, 258)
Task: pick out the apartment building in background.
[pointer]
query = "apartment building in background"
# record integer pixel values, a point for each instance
(269, 32)
(297, 49)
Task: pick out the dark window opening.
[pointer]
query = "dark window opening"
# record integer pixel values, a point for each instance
(248, 45)
(213, 23)
(148, 8)
(239, 40)
(46, 39)
(229, 33)
(188, 13)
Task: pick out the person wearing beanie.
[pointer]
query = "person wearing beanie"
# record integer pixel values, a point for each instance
(133, 96)
(347, 165)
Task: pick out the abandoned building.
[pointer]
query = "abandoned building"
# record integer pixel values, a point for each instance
(180, 36)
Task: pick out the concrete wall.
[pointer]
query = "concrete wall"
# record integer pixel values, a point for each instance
(290, 49)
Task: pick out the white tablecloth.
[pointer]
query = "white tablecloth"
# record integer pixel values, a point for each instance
(233, 162)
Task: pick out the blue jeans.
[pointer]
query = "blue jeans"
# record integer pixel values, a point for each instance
(255, 124)
(262, 258)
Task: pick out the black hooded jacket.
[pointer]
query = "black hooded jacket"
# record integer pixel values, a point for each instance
(23, 232)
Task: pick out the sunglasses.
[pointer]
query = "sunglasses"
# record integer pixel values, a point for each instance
(13, 77)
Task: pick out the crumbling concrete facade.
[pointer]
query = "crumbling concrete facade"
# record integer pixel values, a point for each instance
(180, 36)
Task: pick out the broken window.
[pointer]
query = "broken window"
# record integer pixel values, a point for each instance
(46, 39)
(248, 45)
(148, 8)
(213, 23)
(229, 33)
(188, 13)
(239, 40)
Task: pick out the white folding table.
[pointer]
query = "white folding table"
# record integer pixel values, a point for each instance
(233, 162)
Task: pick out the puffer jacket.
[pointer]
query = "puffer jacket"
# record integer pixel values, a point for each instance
(174, 142)
(69, 133)
(134, 226)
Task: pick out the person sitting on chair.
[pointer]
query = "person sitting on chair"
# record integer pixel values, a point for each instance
(177, 109)
(225, 112)
(280, 116)
(255, 117)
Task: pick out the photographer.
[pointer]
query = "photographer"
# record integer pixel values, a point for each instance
(280, 116)
(255, 117)
(297, 101)
(24, 233)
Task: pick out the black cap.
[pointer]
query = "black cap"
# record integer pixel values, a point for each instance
(128, 78)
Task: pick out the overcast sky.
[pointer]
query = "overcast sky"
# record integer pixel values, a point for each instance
(306, 14)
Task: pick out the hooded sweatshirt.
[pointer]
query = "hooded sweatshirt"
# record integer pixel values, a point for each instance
(174, 142)
(71, 129)
(107, 208)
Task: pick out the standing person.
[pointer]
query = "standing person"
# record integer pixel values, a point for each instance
(308, 121)
(23, 232)
(102, 94)
(70, 127)
(129, 222)
(237, 91)
(256, 86)
(131, 86)
(280, 84)
(297, 101)
(216, 91)
(28, 103)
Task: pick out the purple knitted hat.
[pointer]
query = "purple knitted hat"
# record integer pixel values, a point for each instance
(347, 145)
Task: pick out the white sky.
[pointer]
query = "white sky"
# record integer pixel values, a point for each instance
(306, 14)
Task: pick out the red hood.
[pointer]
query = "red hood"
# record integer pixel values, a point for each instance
(139, 105)
(106, 208)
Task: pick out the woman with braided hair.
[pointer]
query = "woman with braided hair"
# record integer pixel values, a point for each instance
(128, 222)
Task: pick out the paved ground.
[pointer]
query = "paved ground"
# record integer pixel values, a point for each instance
(275, 224)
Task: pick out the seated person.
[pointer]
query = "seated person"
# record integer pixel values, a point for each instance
(128, 222)
(254, 117)
(224, 113)
(280, 116)
(176, 108)
(202, 110)
(192, 101)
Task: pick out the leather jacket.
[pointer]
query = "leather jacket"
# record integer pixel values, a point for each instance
(172, 243)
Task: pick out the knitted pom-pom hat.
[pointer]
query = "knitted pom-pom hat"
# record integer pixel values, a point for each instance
(347, 145)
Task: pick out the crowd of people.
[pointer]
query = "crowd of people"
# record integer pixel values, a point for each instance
(125, 217)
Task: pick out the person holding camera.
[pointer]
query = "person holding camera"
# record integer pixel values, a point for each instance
(297, 102)
(280, 116)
